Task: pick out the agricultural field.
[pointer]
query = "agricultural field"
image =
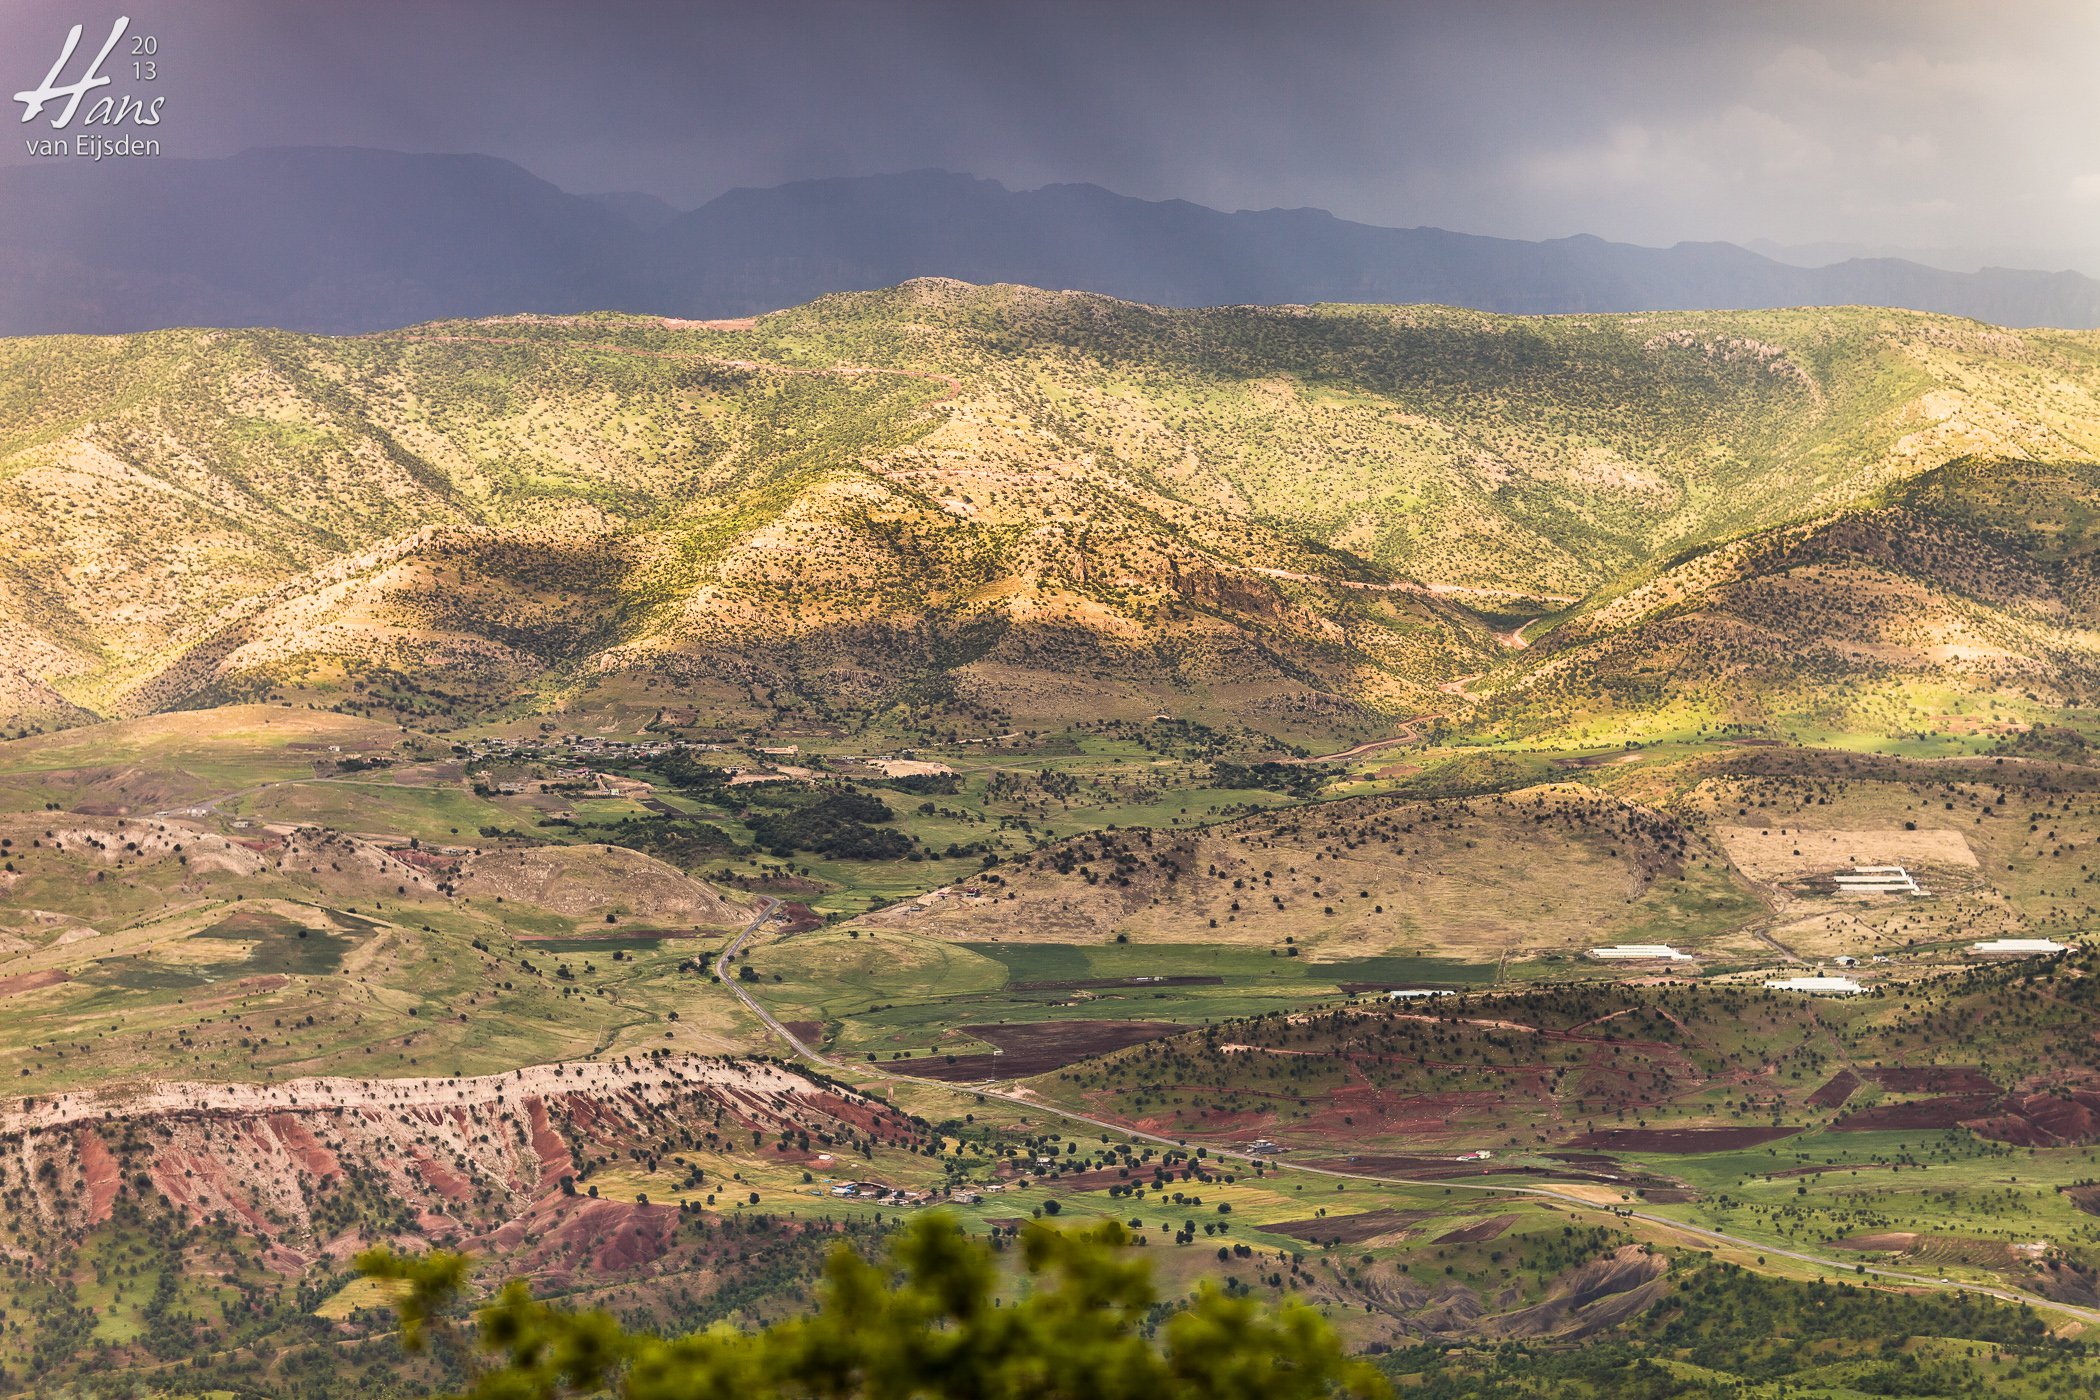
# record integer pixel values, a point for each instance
(1249, 1099)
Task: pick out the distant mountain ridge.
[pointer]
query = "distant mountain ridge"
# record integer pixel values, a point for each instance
(346, 241)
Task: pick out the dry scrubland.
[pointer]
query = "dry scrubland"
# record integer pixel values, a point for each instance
(956, 506)
(1549, 869)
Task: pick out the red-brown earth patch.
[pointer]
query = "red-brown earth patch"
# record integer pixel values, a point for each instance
(1946, 1112)
(639, 1235)
(2042, 1120)
(1360, 1110)
(1687, 1140)
(1892, 1241)
(30, 981)
(103, 1176)
(1351, 1229)
(1833, 1095)
(1037, 1047)
(549, 1145)
(1442, 1168)
(1480, 1232)
(1933, 1079)
(450, 1184)
(585, 1239)
(800, 918)
(307, 1150)
(1594, 1160)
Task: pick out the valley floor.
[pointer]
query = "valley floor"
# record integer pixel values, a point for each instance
(1341, 1038)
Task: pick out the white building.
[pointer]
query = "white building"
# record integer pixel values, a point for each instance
(1640, 952)
(1877, 879)
(2018, 948)
(1816, 986)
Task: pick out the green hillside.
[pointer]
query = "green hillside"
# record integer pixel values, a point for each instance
(1960, 599)
(948, 505)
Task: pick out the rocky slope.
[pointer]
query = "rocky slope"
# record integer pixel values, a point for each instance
(316, 1169)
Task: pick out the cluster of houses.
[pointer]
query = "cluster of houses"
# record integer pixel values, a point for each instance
(1861, 879)
(570, 758)
(964, 892)
(898, 1196)
(583, 746)
(1985, 948)
(575, 753)
(877, 1191)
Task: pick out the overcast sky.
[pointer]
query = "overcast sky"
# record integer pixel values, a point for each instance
(1927, 124)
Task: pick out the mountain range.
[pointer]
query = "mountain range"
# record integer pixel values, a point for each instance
(350, 241)
(967, 505)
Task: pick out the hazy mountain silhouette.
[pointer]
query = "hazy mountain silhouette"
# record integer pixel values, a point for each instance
(354, 240)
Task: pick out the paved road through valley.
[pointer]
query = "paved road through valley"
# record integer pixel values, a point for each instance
(1699, 1232)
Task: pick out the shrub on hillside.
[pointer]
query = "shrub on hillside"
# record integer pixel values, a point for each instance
(927, 1323)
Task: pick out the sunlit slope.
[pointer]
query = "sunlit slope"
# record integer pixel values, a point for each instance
(1968, 591)
(1000, 502)
(450, 518)
(1544, 453)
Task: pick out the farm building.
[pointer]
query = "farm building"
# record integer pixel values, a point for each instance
(1640, 952)
(1815, 986)
(2017, 948)
(1877, 879)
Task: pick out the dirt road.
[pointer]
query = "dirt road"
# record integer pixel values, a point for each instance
(1407, 736)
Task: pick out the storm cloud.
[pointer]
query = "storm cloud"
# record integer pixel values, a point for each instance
(1961, 131)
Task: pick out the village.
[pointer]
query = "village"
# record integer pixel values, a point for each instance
(1861, 881)
(574, 760)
